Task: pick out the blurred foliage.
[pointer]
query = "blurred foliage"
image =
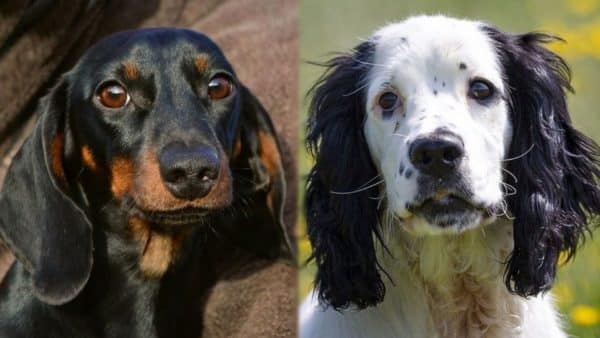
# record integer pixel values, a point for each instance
(338, 25)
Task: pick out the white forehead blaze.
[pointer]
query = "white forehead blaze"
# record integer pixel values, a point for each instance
(445, 48)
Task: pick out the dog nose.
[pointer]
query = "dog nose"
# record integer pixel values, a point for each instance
(189, 172)
(438, 154)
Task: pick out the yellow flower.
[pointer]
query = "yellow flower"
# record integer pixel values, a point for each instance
(304, 249)
(582, 7)
(563, 294)
(585, 315)
(562, 259)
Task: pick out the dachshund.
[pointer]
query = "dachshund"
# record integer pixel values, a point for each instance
(151, 173)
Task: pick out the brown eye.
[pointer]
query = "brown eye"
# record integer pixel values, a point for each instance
(480, 90)
(219, 87)
(113, 95)
(388, 102)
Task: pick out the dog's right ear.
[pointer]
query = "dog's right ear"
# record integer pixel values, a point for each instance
(342, 224)
(46, 230)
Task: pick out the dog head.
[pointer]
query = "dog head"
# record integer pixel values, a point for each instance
(149, 134)
(443, 125)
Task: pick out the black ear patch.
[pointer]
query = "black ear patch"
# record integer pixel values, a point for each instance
(48, 233)
(341, 228)
(259, 182)
(555, 164)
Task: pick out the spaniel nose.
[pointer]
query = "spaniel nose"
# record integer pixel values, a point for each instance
(189, 172)
(438, 154)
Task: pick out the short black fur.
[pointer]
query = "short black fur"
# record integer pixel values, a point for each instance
(77, 272)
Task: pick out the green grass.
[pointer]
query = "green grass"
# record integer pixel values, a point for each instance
(338, 25)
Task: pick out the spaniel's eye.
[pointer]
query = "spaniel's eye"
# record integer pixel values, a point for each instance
(480, 90)
(219, 87)
(388, 102)
(113, 95)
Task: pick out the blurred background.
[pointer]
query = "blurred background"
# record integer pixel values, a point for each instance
(338, 25)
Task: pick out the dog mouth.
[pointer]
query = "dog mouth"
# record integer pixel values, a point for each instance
(178, 217)
(447, 208)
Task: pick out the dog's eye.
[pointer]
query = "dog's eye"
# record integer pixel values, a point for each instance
(219, 87)
(388, 101)
(480, 90)
(113, 95)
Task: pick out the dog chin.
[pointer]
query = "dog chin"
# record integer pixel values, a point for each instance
(445, 216)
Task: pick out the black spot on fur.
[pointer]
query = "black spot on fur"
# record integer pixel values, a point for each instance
(462, 66)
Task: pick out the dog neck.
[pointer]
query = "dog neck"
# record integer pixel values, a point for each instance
(146, 303)
(457, 279)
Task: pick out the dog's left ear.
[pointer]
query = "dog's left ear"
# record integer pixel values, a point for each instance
(40, 217)
(259, 182)
(556, 165)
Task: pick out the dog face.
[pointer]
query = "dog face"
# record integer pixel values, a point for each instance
(437, 123)
(441, 124)
(159, 116)
(149, 136)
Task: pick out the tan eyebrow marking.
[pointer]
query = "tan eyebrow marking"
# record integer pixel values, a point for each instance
(201, 62)
(131, 71)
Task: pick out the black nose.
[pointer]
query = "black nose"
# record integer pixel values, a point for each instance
(438, 154)
(189, 172)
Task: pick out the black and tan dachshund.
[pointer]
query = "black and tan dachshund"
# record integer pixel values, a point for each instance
(151, 172)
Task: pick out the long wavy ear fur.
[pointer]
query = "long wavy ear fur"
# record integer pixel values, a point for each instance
(556, 165)
(341, 227)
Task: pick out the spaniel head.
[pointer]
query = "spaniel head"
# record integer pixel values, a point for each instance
(459, 123)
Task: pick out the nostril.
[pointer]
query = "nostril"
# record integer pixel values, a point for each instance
(450, 155)
(426, 158)
(176, 175)
(208, 174)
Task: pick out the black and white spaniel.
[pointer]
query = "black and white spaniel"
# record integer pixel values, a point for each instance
(448, 180)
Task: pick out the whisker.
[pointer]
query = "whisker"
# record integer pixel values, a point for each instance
(514, 177)
(520, 156)
(356, 90)
(363, 62)
(380, 202)
(357, 190)
(504, 207)
(511, 190)
(369, 181)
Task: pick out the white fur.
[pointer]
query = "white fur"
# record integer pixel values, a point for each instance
(444, 282)
(442, 286)
(417, 58)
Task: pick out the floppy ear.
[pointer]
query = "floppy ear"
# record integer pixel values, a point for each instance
(556, 166)
(341, 227)
(259, 182)
(48, 233)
